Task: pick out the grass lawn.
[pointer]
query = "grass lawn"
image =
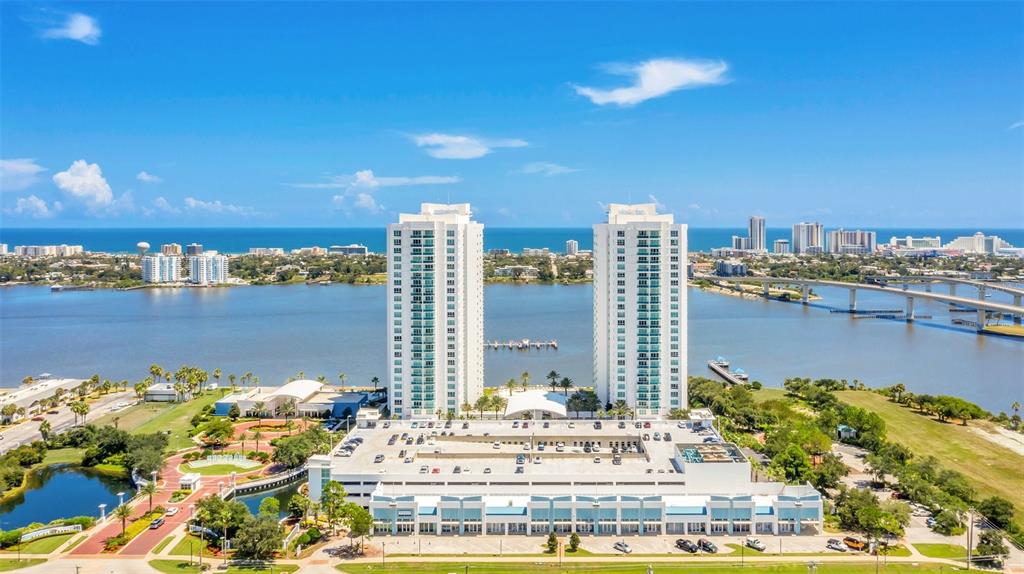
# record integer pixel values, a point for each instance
(63, 456)
(182, 548)
(155, 417)
(41, 545)
(179, 567)
(990, 468)
(217, 469)
(163, 544)
(8, 564)
(766, 394)
(74, 544)
(630, 568)
(952, 551)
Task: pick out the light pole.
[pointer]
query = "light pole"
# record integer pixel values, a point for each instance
(970, 535)
(120, 498)
(103, 512)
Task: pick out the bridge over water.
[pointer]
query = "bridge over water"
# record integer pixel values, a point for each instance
(980, 305)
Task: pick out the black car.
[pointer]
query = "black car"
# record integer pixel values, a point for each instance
(686, 545)
(707, 546)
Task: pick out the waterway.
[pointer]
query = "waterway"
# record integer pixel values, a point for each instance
(277, 331)
(62, 491)
(283, 496)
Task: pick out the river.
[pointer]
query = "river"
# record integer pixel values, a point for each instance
(277, 331)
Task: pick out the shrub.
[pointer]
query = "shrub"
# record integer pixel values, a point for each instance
(314, 534)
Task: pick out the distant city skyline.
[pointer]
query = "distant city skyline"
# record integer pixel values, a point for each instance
(262, 115)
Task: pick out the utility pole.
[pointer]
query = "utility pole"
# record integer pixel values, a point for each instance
(970, 536)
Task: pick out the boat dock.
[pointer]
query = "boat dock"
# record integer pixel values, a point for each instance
(522, 345)
(720, 367)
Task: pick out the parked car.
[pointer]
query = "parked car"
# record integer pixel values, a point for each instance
(854, 543)
(378, 458)
(496, 445)
(435, 470)
(597, 459)
(707, 546)
(622, 547)
(520, 470)
(835, 544)
(754, 543)
(487, 470)
(424, 469)
(686, 545)
(172, 511)
(157, 523)
(930, 522)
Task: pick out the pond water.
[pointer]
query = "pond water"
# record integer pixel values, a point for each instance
(62, 491)
(283, 496)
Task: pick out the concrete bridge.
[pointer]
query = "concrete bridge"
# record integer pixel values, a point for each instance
(233, 489)
(980, 305)
(928, 280)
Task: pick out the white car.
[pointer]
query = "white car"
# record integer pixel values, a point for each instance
(171, 511)
(622, 547)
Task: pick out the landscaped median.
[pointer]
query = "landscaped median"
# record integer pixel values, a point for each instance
(132, 530)
(8, 564)
(184, 567)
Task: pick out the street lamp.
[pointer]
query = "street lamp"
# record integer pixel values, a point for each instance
(103, 512)
(120, 498)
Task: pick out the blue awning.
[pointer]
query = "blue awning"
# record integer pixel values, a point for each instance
(506, 511)
(688, 510)
(428, 511)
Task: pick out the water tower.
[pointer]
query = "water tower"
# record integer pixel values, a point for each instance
(143, 247)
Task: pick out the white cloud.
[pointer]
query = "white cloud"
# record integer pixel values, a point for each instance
(448, 146)
(161, 204)
(545, 168)
(657, 204)
(504, 212)
(366, 201)
(1016, 125)
(85, 183)
(76, 26)
(217, 206)
(18, 174)
(655, 78)
(146, 177)
(366, 179)
(33, 207)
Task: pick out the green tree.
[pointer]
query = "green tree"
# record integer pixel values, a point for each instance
(565, 384)
(123, 512)
(258, 538)
(574, 542)
(359, 522)
(991, 549)
(524, 379)
(45, 429)
(553, 377)
(298, 505)
(552, 543)
(998, 510)
(483, 403)
(792, 464)
(332, 502)
(498, 404)
(218, 432)
(234, 412)
(948, 522)
(149, 490)
(270, 506)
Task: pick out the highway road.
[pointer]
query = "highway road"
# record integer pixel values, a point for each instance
(28, 431)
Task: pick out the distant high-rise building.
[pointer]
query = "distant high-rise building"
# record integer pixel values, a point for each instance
(160, 268)
(435, 311)
(808, 238)
(350, 249)
(740, 243)
(756, 233)
(209, 268)
(909, 242)
(857, 241)
(170, 249)
(48, 250)
(730, 268)
(194, 249)
(572, 247)
(781, 246)
(978, 243)
(266, 251)
(3, 249)
(640, 309)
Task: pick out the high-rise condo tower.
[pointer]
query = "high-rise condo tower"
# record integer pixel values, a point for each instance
(640, 310)
(435, 311)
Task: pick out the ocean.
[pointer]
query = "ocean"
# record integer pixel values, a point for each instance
(240, 239)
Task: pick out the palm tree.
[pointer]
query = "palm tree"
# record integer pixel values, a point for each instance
(156, 371)
(28, 380)
(149, 490)
(216, 376)
(898, 389)
(124, 513)
(8, 411)
(241, 438)
(498, 404)
(511, 384)
(80, 408)
(482, 404)
(342, 377)
(467, 408)
(1015, 407)
(231, 379)
(260, 406)
(257, 435)
(565, 384)
(322, 379)
(553, 379)
(141, 387)
(376, 383)
(524, 379)
(288, 410)
(44, 429)
(302, 375)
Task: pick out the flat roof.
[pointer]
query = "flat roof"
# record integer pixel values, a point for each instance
(479, 447)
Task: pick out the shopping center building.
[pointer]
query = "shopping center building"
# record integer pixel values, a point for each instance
(483, 477)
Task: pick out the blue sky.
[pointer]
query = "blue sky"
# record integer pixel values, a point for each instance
(321, 114)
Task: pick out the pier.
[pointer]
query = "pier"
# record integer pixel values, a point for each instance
(720, 367)
(522, 345)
